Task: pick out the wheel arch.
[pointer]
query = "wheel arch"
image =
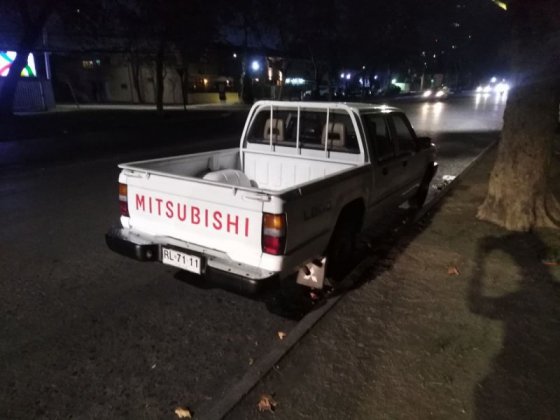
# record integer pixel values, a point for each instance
(352, 210)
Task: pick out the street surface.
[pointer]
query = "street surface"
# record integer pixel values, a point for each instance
(86, 333)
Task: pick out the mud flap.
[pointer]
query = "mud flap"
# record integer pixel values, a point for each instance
(312, 274)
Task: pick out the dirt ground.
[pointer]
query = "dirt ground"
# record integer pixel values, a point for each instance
(461, 319)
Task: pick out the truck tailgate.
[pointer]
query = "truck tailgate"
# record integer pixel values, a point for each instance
(217, 217)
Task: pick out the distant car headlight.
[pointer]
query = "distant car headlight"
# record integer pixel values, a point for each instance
(427, 93)
(487, 89)
(501, 87)
(479, 89)
(440, 93)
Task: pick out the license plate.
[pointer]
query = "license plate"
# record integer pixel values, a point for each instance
(181, 260)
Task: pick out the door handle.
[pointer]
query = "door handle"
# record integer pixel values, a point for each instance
(384, 171)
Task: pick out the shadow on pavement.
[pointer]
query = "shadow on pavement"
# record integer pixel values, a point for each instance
(285, 298)
(376, 251)
(524, 377)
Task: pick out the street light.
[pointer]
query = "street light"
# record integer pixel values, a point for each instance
(255, 66)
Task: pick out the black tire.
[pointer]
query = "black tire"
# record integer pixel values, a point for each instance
(417, 201)
(341, 249)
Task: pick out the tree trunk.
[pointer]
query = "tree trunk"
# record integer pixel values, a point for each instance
(184, 79)
(136, 67)
(159, 78)
(285, 69)
(518, 195)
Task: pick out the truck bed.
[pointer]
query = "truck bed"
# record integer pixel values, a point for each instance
(272, 171)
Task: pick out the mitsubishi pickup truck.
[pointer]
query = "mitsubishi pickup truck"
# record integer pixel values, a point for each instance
(287, 204)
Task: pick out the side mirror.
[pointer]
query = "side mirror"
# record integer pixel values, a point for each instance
(424, 143)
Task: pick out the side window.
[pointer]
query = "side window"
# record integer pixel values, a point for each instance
(404, 135)
(379, 134)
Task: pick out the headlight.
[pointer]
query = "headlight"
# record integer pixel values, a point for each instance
(479, 89)
(427, 93)
(487, 89)
(440, 93)
(501, 87)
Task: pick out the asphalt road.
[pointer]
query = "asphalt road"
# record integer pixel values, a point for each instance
(85, 333)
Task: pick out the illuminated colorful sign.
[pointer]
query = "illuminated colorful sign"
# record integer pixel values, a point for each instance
(6, 60)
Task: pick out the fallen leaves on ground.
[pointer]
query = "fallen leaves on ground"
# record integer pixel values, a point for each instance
(281, 335)
(267, 403)
(551, 257)
(183, 413)
(453, 271)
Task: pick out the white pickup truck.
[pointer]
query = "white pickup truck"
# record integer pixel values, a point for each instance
(303, 182)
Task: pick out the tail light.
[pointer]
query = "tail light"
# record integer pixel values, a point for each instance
(123, 199)
(274, 233)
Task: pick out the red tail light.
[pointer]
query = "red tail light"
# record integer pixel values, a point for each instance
(123, 199)
(274, 233)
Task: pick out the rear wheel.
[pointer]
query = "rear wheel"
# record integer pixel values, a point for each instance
(341, 249)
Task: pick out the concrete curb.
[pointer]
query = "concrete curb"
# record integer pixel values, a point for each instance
(256, 372)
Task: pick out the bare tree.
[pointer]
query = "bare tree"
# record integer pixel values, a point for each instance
(169, 34)
(519, 197)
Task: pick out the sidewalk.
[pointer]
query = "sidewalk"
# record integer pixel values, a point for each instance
(104, 131)
(68, 120)
(460, 320)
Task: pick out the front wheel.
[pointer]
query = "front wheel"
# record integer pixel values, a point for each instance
(417, 201)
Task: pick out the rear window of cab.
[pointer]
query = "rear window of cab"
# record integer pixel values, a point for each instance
(282, 129)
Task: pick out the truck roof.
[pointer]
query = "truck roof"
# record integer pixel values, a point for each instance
(354, 106)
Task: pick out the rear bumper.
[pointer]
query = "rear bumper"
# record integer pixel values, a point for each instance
(141, 248)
